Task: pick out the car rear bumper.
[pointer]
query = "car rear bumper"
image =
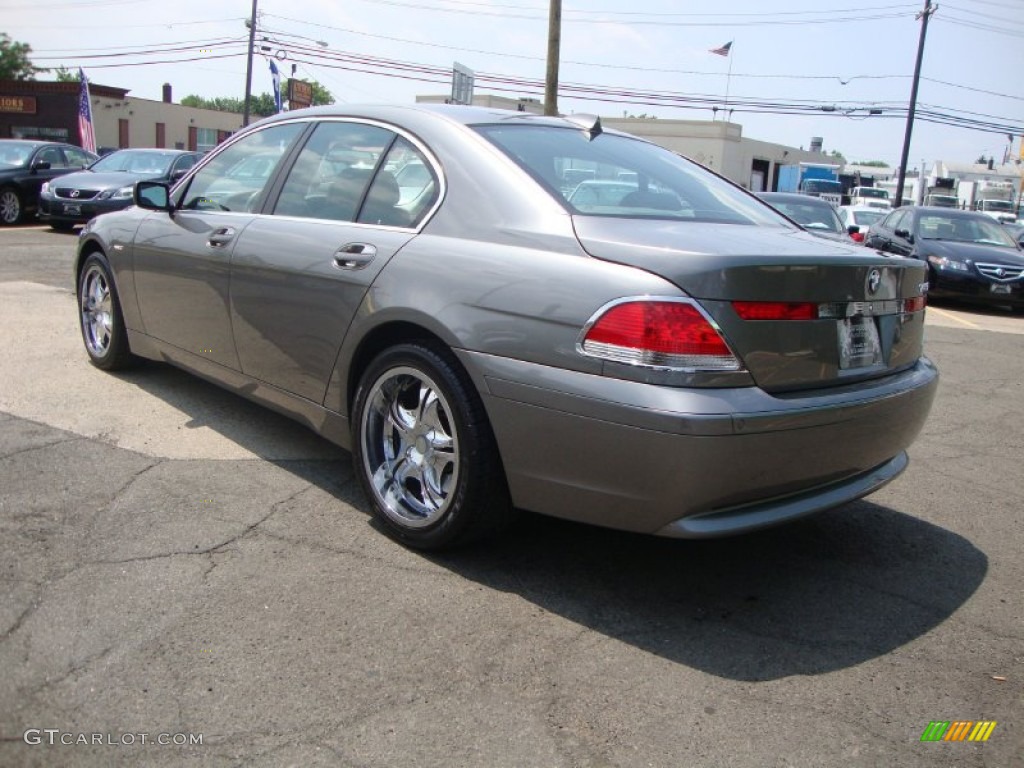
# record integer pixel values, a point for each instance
(692, 462)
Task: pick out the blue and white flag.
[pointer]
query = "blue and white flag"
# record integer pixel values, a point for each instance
(276, 76)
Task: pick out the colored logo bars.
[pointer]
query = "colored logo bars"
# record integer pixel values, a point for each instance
(958, 730)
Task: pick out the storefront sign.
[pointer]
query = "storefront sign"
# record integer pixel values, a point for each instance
(300, 94)
(25, 105)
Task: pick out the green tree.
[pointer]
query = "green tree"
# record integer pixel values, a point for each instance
(65, 75)
(14, 61)
(321, 95)
(873, 163)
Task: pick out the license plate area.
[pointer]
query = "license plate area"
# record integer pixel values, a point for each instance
(72, 209)
(1001, 289)
(859, 346)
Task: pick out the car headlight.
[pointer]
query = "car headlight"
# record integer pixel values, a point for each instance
(944, 262)
(124, 193)
(45, 189)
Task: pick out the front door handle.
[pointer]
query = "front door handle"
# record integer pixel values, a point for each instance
(221, 237)
(354, 255)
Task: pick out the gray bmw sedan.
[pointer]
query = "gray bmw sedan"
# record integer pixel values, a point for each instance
(420, 285)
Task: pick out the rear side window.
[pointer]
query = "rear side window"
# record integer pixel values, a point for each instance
(612, 175)
(361, 173)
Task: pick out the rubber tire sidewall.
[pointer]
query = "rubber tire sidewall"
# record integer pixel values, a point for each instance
(118, 353)
(480, 503)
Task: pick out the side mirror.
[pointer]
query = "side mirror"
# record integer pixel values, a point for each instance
(905, 234)
(41, 165)
(152, 195)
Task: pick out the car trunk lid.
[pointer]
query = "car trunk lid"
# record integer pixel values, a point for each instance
(866, 317)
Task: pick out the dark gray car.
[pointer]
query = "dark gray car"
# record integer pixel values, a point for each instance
(107, 184)
(682, 361)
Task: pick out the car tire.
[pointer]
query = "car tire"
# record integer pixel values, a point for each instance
(100, 317)
(424, 452)
(12, 208)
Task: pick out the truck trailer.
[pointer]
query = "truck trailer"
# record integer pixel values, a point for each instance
(814, 179)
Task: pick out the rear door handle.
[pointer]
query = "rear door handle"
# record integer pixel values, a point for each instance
(354, 255)
(221, 237)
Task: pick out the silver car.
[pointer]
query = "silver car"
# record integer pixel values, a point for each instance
(684, 362)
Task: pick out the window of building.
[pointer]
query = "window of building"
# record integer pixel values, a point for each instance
(206, 139)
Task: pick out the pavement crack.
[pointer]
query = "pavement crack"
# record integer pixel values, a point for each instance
(42, 447)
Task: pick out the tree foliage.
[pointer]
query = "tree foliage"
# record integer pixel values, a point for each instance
(260, 105)
(15, 63)
(65, 75)
(873, 163)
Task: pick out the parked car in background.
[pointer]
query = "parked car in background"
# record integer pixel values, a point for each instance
(969, 255)
(814, 214)
(857, 219)
(488, 344)
(107, 184)
(25, 166)
(1016, 231)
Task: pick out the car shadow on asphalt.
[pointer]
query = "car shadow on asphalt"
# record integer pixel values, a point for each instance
(814, 596)
(822, 594)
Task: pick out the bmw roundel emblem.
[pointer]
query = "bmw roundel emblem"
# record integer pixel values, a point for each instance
(874, 280)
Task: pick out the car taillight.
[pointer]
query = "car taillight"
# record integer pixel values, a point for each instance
(660, 334)
(858, 237)
(776, 310)
(915, 304)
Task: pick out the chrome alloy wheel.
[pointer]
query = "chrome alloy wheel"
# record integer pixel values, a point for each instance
(410, 447)
(97, 311)
(10, 206)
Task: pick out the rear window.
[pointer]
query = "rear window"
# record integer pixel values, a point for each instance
(614, 175)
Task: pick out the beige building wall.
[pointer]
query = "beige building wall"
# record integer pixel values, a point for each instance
(143, 115)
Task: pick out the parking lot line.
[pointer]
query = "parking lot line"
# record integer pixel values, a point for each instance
(951, 316)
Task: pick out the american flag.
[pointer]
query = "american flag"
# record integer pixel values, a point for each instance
(85, 132)
(723, 51)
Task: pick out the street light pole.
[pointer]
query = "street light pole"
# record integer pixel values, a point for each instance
(928, 11)
(248, 66)
(554, 46)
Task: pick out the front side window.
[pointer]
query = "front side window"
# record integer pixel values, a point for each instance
(237, 178)
(53, 156)
(612, 175)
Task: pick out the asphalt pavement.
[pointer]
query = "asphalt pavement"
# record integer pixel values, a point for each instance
(187, 579)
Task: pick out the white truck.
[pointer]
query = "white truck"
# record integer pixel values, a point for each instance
(992, 197)
(873, 197)
(942, 192)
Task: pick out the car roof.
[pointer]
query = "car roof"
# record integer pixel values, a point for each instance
(411, 114)
(152, 150)
(792, 197)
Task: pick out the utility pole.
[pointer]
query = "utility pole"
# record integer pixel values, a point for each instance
(554, 46)
(248, 66)
(923, 16)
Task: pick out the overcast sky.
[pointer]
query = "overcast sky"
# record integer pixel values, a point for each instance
(848, 57)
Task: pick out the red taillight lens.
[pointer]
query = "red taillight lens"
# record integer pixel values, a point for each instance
(915, 304)
(775, 310)
(858, 237)
(667, 334)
